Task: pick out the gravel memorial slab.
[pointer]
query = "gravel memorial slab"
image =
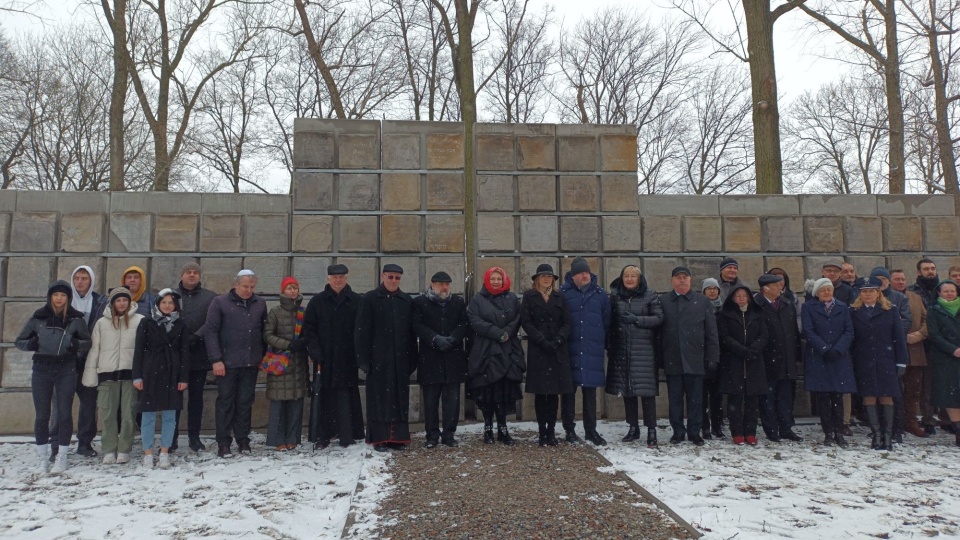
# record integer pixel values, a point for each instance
(482, 491)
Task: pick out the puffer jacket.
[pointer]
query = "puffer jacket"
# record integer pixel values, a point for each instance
(278, 333)
(491, 359)
(590, 319)
(631, 359)
(111, 355)
(55, 341)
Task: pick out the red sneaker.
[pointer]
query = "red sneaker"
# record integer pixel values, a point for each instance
(752, 440)
(737, 440)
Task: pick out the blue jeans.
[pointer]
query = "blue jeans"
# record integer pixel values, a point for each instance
(46, 377)
(148, 427)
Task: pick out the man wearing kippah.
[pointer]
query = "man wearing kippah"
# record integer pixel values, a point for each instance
(194, 303)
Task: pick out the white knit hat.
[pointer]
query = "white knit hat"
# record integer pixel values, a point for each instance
(821, 283)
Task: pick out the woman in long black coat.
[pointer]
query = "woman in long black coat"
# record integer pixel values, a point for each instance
(743, 374)
(495, 366)
(879, 356)
(161, 369)
(943, 325)
(546, 321)
(631, 355)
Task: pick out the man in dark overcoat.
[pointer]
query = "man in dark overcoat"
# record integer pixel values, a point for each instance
(689, 346)
(194, 303)
(440, 322)
(328, 325)
(780, 357)
(387, 352)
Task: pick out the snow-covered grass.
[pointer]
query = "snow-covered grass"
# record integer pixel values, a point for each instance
(297, 494)
(800, 490)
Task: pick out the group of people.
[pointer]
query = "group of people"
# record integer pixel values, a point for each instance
(130, 355)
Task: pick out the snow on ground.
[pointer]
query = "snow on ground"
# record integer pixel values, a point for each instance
(800, 490)
(297, 494)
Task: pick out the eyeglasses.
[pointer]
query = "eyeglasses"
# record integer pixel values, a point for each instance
(393, 278)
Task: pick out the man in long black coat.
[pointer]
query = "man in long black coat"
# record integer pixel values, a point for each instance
(440, 321)
(780, 356)
(387, 353)
(328, 326)
(194, 303)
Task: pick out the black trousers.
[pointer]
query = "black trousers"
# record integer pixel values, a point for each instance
(545, 406)
(49, 378)
(685, 390)
(235, 393)
(776, 408)
(712, 404)
(568, 409)
(830, 407)
(86, 415)
(743, 411)
(435, 395)
(631, 406)
(195, 384)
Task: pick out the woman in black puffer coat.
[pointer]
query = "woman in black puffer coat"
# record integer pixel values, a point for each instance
(631, 358)
(743, 373)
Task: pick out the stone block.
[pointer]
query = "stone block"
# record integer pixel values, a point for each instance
(618, 153)
(865, 263)
(411, 281)
(495, 193)
(359, 151)
(149, 202)
(3, 279)
(700, 268)
(916, 205)
(662, 234)
(264, 233)
(165, 272)
(17, 369)
(400, 233)
(33, 232)
(357, 233)
(902, 233)
(813, 267)
(823, 234)
(82, 233)
(751, 268)
(509, 264)
(595, 263)
(364, 272)
(130, 233)
(313, 191)
(451, 265)
(495, 152)
(679, 205)
(445, 151)
(496, 233)
(528, 267)
(401, 151)
(4, 231)
(270, 272)
(838, 205)
(621, 233)
(312, 234)
(8, 200)
(580, 234)
(782, 233)
(538, 233)
(862, 234)
(245, 203)
(359, 192)
(116, 267)
(657, 271)
(907, 263)
(618, 193)
(613, 408)
(15, 316)
(579, 194)
(311, 273)
(741, 234)
(444, 191)
(444, 234)
(537, 193)
(940, 234)
(613, 265)
(536, 153)
(28, 276)
(18, 412)
(220, 273)
(175, 233)
(400, 191)
(312, 150)
(66, 266)
(65, 202)
(794, 268)
(221, 233)
(702, 233)
(577, 153)
(759, 205)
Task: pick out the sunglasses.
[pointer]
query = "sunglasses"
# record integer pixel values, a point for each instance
(393, 278)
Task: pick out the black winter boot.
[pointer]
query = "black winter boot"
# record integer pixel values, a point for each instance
(873, 420)
(651, 437)
(552, 435)
(633, 434)
(504, 436)
(488, 435)
(542, 439)
(886, 437)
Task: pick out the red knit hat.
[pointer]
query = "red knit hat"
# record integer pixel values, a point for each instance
(287, 281)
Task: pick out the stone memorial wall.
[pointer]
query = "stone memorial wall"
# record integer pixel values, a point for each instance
(367, 192)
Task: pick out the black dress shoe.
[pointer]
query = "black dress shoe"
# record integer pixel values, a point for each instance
(320, 445)
(450, 443)
(86, 450)
(696, 439)
(381, 448)
(706, 435)
(841, 442)
(718, 433)
(930, 430)
(432, 443)
(651, 437)
(552, 439)
(243, 446)
(845, 431)
(196, 445)
(633, 434)
(573, 438)
(397, 447)
(596, 439)
(791, 436)
(223, 451)
(488, 435)
(828, 439)
(677, 438)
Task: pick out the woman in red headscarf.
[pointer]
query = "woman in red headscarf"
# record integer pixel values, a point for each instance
(496, 362)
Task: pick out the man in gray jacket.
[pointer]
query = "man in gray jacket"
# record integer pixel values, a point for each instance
(194, 303)
(234, 340)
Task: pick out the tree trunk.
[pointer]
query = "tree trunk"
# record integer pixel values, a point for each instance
(891, 68)
(468, 114)
(763, 79)
(118, 96)
(948, 161)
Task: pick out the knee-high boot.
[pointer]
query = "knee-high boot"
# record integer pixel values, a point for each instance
(886, 436)
(873, 419)
(488, 426)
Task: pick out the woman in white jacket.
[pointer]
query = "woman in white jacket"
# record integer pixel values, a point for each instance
(110, 369)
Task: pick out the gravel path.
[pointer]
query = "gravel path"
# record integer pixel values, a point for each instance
(483, 491)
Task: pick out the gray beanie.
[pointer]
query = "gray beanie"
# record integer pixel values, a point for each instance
(188, 267)
(709, 282)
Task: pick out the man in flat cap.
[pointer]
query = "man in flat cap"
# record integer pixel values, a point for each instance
(780, 357)
(440, 321)
(690, 348)
(387, 353)
(328, 326)
(194, 303)
(729, 277)
(841, 291)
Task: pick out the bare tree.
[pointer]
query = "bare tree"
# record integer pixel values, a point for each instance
(921, 152)
(17, 91)
(658, 150)
(116, 18)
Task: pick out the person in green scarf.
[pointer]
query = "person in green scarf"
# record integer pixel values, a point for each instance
(943, 326)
